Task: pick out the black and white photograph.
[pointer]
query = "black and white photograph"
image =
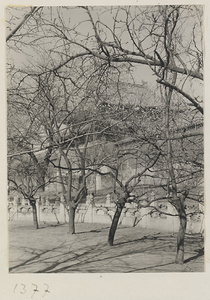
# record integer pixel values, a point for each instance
(105, 140)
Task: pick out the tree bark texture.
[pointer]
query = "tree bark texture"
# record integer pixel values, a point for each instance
(35, 219)
(115, 220)
(181, 234)
(72, 211)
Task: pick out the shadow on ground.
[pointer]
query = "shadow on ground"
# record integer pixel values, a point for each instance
(52, 250)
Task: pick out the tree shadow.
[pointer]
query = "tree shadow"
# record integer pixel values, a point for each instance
(85, 261)
(34, 258)
(45, 225)
(68, 257)
(27, 261)
(144, 238)
(200, 253)
(93, 230)
(152, 267)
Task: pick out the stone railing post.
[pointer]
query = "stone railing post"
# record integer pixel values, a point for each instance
(62, 210)
(108, 200)
(38, 208)
(145, 216)
(15, 212)
(90, 209)
(47, 203)
(23, 202)
(171, 219)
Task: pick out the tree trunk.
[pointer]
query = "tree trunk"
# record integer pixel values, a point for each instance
(35, 219)
(72, 211)
(181, 235)
(113, 228)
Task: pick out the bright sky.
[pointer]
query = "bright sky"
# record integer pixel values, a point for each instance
(190, 287)
(141, 72)
(74, 16)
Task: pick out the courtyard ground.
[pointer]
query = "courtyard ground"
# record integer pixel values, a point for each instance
(51, 249)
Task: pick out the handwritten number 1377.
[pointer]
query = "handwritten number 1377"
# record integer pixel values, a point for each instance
(22, 289)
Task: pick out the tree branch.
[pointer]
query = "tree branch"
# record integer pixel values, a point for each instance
(172, 86)
(25, 18)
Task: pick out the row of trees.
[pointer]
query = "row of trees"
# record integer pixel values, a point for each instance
(70, 110)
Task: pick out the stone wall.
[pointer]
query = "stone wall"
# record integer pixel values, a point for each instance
(91, 212)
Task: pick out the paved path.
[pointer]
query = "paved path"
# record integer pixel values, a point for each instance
(52, 250)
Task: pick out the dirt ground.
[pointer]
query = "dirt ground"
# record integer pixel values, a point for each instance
(51, 249)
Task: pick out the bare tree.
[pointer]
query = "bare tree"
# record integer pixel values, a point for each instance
(24, 179)
(136, 35)
(96, 43)
(27, 168)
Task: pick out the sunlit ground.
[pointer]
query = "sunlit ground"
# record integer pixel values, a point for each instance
(52, 250)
